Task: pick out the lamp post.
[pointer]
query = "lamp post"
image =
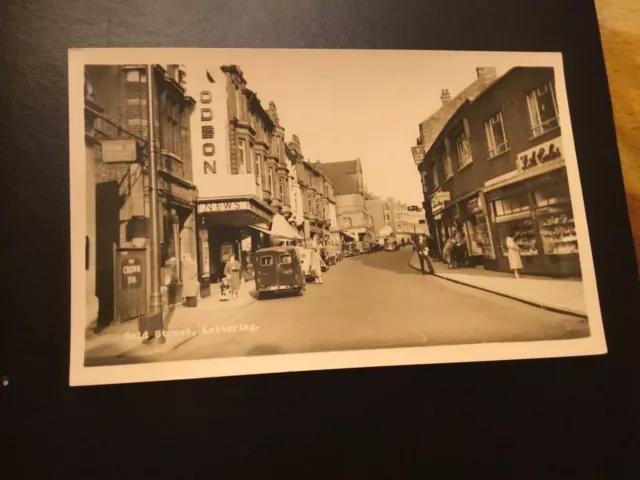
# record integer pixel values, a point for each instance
(151, 327)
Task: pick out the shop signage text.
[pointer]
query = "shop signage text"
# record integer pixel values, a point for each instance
(223, 206)
(208, 133)
(547, 152)
(438, 201)
(121, 150)
(131, 273)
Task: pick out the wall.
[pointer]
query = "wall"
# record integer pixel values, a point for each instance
(509, 97)
(352, 206)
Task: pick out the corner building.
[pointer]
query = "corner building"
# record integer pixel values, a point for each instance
(496, 166)
(240, 169)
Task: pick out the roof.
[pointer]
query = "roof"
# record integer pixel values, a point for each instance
(469, 101)
(338, 173)
(432, 126)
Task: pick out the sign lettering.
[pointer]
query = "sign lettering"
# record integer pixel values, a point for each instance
(121, 150)
(209, 167)
(540, 155)
(223, 207)
(131, 273)
(208, 133)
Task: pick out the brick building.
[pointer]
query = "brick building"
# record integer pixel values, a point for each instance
(119, 111)
(496, 166)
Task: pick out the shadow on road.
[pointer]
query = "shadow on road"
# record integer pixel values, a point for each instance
(393, 261)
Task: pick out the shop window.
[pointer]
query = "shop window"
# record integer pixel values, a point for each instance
(543, 109)
(207, 132)
(552, 194)
(285, 259)
(511, 205)
(170, 125)
(496, 137)
(242, 157)
(346, 222)
(558, 232)
(523, 233)
(266, 261)
(434, 176)
(206, 114)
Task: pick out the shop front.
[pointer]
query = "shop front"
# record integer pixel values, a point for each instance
(229, 227)
(475, 224)
(177, 235)
(537, 212)
(445, 215)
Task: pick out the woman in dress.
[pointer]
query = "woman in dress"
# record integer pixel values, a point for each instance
(232, 271)
(513, 253)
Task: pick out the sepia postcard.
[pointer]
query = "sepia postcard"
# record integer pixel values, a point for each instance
(248, 211)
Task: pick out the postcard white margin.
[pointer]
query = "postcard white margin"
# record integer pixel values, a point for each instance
(79, 375)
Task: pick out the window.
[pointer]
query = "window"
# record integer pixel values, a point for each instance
(171, 137)
(464, 149)
(511, 205)
(266, 261)
(346, 222)
(425, 187)
(207, 132)
(136, 76)
(270, 173)
(310, 203)
(258, 169)
(448, 168)
(543, 110)
(285, 259)
(281, 188)
(434, 175)
(496, 138)
(206, 114)
(552, 195)
(242, 157)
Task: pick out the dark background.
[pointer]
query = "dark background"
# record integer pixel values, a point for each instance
(564, 418)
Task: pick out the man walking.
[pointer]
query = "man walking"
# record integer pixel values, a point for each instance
(423, 255)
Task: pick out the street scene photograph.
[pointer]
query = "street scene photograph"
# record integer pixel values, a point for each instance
(255, 205)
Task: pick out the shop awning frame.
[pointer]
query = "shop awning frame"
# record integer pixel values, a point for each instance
(348, 235)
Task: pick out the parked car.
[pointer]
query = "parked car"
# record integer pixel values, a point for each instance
(278, 269)
(391, 245)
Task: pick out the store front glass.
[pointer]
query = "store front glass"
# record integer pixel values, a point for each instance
(555, 220)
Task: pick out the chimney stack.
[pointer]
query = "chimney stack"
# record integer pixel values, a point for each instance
(445, 97)
(487, 73)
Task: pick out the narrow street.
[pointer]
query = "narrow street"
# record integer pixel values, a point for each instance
(372, 301)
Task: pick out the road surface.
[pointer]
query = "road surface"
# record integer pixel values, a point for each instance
(371, 301)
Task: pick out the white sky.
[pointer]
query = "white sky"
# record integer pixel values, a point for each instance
(345, 104)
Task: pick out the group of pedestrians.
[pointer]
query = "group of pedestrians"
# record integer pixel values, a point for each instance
(454, 252)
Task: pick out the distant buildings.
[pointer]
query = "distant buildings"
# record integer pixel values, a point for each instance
(406, 221)
(354, 219)
(494, 166)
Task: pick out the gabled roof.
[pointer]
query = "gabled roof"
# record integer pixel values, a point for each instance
(339, 174)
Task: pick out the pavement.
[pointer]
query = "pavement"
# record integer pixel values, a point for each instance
(367, 302)
(564, 296)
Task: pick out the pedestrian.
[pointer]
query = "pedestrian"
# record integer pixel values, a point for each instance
(316, 266)
(189, 281)
(513, 253)
(423, 255)
(447, 252)
(232, 271)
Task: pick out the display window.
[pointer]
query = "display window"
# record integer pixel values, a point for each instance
(524, 236)
(478, 235)
(558, 231)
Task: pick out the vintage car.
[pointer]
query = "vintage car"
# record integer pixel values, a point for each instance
(278, 269)
(391, 244)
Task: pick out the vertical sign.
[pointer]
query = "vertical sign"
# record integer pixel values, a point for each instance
(130, 283)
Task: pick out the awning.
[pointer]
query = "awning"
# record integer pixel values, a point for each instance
(282, 229)
(348, 235)
(261, 229)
